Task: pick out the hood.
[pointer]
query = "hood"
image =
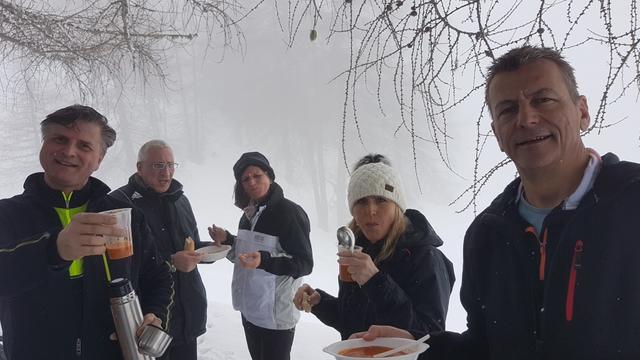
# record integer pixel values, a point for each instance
(615, 176)
(419, 231)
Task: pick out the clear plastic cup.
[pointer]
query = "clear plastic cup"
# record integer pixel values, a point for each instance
(344, 251)
(119, 247)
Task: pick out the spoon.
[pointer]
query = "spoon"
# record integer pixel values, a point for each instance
(346, 238)
(401, 348)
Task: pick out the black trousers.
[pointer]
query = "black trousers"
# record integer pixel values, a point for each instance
(267, 344)
(182, 351)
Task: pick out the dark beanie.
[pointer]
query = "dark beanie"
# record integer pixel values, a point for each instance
(252, 158)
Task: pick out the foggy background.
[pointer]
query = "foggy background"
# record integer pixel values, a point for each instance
(281, 101)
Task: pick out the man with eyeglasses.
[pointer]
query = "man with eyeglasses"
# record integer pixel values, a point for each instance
(169, 215)
(54, 276)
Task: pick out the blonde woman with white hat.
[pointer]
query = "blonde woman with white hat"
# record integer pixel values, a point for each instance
(400, 278)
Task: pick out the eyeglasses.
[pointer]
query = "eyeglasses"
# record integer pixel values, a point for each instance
(164, 165)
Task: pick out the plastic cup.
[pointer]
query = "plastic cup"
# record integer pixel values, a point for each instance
(119, 247)
(344, 251)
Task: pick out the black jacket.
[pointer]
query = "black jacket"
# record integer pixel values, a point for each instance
(587, 305)
(411, 290)
(171, 219)
(44, 313)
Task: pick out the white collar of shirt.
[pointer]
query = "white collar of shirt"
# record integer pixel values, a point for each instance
(589, 177)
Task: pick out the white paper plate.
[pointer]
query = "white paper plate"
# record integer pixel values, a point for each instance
(336, 347)
(213, 253)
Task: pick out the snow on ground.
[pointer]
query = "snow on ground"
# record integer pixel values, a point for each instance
(224, 339)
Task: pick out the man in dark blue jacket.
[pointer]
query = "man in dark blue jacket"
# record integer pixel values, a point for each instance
(168, 212)
(54, 276)
(550, 267)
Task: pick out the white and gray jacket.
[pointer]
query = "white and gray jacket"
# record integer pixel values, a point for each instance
(279, 230)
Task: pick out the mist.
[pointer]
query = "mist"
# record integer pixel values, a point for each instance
(287, 103)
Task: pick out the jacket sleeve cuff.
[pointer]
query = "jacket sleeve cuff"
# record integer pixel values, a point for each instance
(376, 281)
(231, 239)
(265, 260)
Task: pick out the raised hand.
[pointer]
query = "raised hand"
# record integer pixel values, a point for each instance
(217, 234)
(359, 264)
(84, 236)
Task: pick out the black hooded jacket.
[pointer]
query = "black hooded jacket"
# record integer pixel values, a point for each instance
(171, 219)
(587, 305)
(411, 290)
(47, 314)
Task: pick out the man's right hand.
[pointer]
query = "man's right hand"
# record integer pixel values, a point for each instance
(186, 260)
(84, 236)
(376, 331)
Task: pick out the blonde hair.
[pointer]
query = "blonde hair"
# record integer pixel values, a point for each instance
(398, 226)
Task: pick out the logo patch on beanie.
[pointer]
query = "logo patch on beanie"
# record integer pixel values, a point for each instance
(388, 187)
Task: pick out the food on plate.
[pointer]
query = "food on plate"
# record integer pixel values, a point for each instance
(189, 244)
(369, 351)
(306, 304)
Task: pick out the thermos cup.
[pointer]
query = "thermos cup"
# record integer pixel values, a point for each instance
(127, 316)
(154, 341)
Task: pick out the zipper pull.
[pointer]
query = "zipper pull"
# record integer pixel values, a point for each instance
(78, 347)
(576, 264)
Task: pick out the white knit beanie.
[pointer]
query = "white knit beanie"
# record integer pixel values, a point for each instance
(375, 179)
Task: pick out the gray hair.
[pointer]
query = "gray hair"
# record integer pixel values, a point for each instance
(524, 55)
(152, 144)
(70, 115)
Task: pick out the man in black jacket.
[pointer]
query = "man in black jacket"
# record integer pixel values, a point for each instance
(54, 300)
(550, 267)
(168, 212)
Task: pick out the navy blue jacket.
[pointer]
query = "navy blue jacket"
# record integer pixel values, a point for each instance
(171, 219)
(587, 305)
(411, 290)
(44, 313)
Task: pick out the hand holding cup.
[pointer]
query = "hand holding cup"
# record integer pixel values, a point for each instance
(85, 235)
(357, 266)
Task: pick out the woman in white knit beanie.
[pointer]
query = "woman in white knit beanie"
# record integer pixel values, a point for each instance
(400, 277)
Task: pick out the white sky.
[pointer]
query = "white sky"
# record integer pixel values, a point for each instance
(279, 101)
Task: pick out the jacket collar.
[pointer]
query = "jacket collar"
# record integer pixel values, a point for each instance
(142, 190)
(275, 194)
(614, 176)
(35, 186)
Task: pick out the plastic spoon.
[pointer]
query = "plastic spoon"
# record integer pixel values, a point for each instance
(401, 348)
(346, 238)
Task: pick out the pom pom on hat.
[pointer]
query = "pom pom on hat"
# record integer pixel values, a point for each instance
(374, 176)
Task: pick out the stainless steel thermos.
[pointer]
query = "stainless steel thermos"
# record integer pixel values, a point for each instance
(127, 316)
